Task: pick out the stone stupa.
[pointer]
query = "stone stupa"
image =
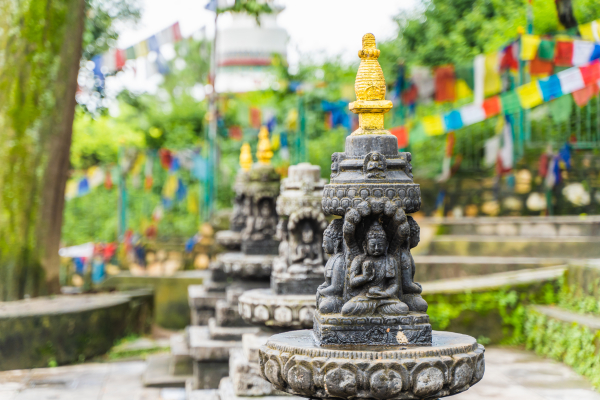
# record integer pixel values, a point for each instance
(371, 338)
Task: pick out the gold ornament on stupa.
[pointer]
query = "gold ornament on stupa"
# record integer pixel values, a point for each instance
(246, 157)
(264, 153)
(370, 104)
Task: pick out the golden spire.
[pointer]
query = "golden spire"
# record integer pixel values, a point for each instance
(264, 152)
(370, 104)
(246, 157)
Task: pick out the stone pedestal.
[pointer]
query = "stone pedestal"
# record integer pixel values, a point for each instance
(295, 364)
(289, 311)
(239, 265)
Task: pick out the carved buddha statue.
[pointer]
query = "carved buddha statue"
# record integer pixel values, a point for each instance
(330, 293)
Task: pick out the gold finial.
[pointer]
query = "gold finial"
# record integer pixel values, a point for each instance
(370, 104)
(246, 157)
(264, 152)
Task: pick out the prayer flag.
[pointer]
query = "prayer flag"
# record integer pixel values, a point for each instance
(583, 96)
(472, 114)
(510, 102)
(491, 148)
(453, 120)
(176, 32)
(492, 83)
(529, 46)
(509, 61)
(463, 91)
(506, 153)
(479, 78)
(433, 125)
(582, 52)
(530, 95)
(422, 78)
(141, 49)
(467, 74)
(83, 187)
(546, 50)
(550, 87)
(402, 136)
(492, 106)
(120, 59)
(563, 55)
(561, 108)
(445, 84)
(570, 80)
(130, 53)
(153, 43)
(541, 67)
(170, 187)
(255, 118)
(596, 53)
(590, 31)
(591, 72)
(235, 132)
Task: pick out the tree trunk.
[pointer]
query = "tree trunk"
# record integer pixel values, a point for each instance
(564, 9)
(58, 148)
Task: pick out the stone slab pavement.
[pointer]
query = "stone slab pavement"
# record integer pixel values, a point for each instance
(511, 374)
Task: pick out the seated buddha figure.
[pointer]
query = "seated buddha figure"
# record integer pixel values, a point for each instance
(374, 279)
(308, 251)
(330, 293)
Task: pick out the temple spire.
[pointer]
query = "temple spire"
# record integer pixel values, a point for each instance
(264, 153)
(370, 104)
(246, 157)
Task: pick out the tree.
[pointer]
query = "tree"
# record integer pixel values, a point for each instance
(41, 44)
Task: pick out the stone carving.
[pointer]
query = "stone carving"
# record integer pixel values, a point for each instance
(263, 307)
(292, 364)
(375, 166)
(299, 267)
(371, 337)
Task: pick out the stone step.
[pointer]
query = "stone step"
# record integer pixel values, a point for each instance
(582, 286)
(580, 247)
(218, 332)
(226, 392)
(432, 268)
(204, 349)
(590, 321)
(167, 370)
(493, 281)
(559, 226)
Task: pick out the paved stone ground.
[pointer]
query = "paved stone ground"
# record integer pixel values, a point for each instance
(511, 374)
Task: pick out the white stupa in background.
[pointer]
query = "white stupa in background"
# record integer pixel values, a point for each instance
(245, 50)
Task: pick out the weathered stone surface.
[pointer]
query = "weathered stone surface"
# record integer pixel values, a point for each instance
(205, 296)
(293, 363)
(283, 283)
(226, 392)
(203, 348)
(240, 265)
(338, 330)
(69, 328)
(228, 333)
(227, 315)
(231, 240)
(263, 307)
(204, 394)
(251, 343)
(245, 377)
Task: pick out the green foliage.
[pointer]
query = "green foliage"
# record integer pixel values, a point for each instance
(250, 7)
(573, 344)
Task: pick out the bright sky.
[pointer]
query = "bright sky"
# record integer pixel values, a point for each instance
(314, 26)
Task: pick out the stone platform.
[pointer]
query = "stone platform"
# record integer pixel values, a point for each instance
(229, 239)
(295, 364)
(263, 307)
(246, 266)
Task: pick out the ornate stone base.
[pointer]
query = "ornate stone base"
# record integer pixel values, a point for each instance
(240, 265)
(263, 307)
(231, 240)
(261, 247)
(295, 364)
(338, 330)
(286, 283)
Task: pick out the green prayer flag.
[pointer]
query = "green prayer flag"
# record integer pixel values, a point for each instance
(130, 53)
(417, 134)
(561, 108)
(510, 102)
(546, 50)
(466, 72)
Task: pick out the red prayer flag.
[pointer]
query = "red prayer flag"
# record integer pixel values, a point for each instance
(255, 117)
(409, 96)
(582, 96)
(509, 60)
(590, 72)
(166, 158)
(538, 67)
(402, 136)
(176, 32)
(235, 132)
(492, 106)
(445, 84)
(108, 183)
(450, 140)
(563, 56)
(148, 182)
(120, 59)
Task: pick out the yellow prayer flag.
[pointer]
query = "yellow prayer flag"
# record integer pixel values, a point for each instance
(141, 49)
(138, 164)
(586, 31)
(170, 187)
(433, 125)
(463, 91)
(71, 189)
(275, 141)
(529, 46)
(492, 83)
(192, 203)
(530, 95)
